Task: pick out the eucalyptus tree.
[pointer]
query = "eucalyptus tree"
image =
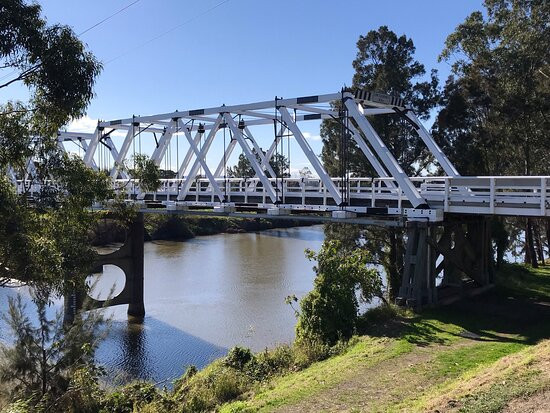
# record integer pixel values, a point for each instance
(495, 112)
(384, 63)
(44, 241)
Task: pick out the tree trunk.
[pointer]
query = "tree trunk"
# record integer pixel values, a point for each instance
(538, 242)
(530, 254)
(395, 262)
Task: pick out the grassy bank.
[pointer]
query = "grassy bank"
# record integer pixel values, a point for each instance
(478, 355)
(488, 353)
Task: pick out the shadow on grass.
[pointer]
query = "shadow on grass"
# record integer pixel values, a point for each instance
(516, 311)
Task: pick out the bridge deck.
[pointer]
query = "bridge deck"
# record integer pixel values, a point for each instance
(508, 196)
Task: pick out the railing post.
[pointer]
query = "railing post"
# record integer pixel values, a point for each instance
(372, 189)
(446, 200)
(492, 195)
(543, 196)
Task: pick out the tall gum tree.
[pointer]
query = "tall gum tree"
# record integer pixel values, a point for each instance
(44, 243)
(384, 63)
(495, 113)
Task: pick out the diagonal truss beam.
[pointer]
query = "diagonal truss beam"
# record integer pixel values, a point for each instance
(119, 161)
(251, 157)
(264, 164)
(315, 163)
(384, 154)
(188, 155)
(200, 157)
(434, 148)
(209, 175)
(164, 141)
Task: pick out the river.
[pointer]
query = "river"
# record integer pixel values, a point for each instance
(204, 296)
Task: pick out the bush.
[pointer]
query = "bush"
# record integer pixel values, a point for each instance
(131, 397)
(329, 312)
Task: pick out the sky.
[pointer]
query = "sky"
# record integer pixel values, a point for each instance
(163, 55)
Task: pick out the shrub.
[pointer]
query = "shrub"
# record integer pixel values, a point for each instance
(329, 312)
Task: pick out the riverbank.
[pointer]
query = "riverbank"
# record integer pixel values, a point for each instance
(484, 354)
(181, 228)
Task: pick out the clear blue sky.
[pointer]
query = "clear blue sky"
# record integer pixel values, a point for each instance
(242, 51)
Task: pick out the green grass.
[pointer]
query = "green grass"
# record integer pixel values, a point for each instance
(525, 281)
(461, 340)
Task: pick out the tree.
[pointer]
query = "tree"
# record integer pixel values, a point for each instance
(44, 236)
(496, 105)
(45, 355)
(244, 169)
(329, 312)
(385, 62)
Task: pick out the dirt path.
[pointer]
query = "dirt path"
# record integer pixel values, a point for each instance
(386, 383)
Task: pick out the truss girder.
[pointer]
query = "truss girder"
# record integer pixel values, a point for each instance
(186, 185)
(312, 158)
(384, 154)
(317, 107)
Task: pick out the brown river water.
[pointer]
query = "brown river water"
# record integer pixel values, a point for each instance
(204, 296)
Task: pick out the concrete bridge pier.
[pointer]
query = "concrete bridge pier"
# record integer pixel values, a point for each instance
(129, 258)
(458, 251)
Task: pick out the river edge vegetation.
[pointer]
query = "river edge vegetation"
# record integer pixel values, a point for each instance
(486, 353)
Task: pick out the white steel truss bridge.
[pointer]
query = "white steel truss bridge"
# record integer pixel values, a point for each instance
(448, 232)
(199, 185)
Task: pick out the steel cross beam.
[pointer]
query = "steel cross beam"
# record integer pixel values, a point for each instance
(163, 143)
(332, 189)
(188, 155)
(383, 152)
(263, 161)
(209, 175)
(119, 161)
(251, 157)
(90, 152)
(199, 160)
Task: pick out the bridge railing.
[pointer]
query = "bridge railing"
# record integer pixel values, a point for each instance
(487, 195)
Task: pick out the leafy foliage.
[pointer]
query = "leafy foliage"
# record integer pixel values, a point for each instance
(47, 354)
(329, 312)
(243, 169)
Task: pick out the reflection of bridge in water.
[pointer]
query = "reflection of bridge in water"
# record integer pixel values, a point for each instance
(446, 216)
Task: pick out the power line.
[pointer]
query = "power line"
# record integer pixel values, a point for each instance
(167, 31)
(108, 18)
(87, 30)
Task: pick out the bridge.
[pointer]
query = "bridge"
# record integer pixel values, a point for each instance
(446, 216)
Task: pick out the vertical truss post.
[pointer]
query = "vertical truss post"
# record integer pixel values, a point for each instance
(273, 147)
(251, 157)
(315, 163)
(119, 161)
(434, 148)
(384, 154)
(197, 163)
